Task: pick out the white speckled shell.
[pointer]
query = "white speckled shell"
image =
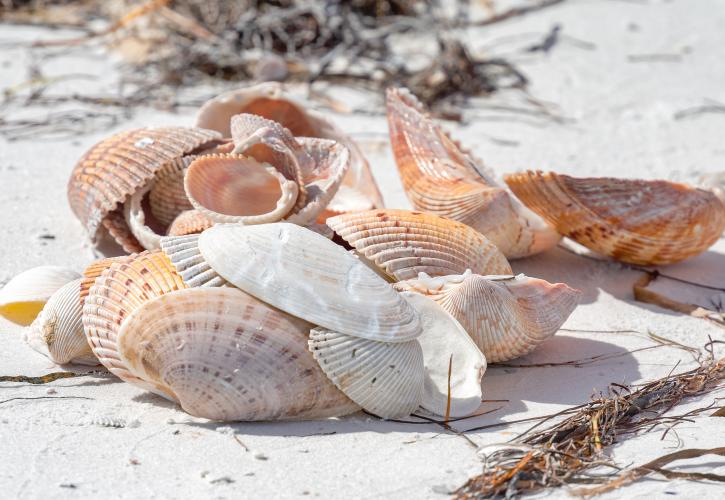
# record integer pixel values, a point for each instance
(23, 297)
(183, 251)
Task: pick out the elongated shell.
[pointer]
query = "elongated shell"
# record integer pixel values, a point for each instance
(189, 222)
(167, 197)
(225, 355)
(120, 290)
(307, 275)
(442, 179)
(57, 332)
(234, 188)
(384, 378)
(23, 297)
(635, 221)
(506, 317)
(116, 167)
(404, 243)
(184, 254)
(454, 365)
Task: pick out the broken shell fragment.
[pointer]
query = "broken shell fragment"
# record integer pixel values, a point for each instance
(23, 297)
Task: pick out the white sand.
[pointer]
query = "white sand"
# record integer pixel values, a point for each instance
(619, 119)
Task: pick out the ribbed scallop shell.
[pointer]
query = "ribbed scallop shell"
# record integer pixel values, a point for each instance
(115, 223)
(307, 275)
(23, 297)
(167, 197)
(189, 222)
(57, 332)
(120, 290)
(384, 378)
(636, 221)
(116, 167)
(93, 271)
(442, 179)
(225, 355)
(136, 221)
(454, 365)
(184, 254)
(239, 189)
(405, 243)
(505, 317)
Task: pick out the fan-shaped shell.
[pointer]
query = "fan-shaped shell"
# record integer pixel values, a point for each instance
(167, 197)
(225, 355)
(384, 378)
(57, 332)
(116, 167)
(93, 271)
(235, 188)
(307, 275)
(135, 216)
(635, 221)
(405, 243)
(506, 317)
(441, 178)
(189, 222)
(23, 297)
(120, 290)
(184, 254)
(454, 365)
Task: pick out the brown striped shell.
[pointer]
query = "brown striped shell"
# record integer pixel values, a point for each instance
(404, 243)
(636, 221)
(442, 179)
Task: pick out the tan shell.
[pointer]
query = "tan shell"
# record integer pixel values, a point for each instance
(120, 290)
(635, 221)
(404, 243)
(506, 317)
(442, 179)
(184, 254)
(238, 189)
(225, 355)
(307, 275)
(115, 223)
(189, 222)
(167, 197)
(93, 271)
(116, 167)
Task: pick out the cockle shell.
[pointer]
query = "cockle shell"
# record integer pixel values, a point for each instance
(307, 275)
(506, 317)
(404, 243)
(189, 222)
(121, 289)
(442, 179)
(167, 197)
(384, 378)
(116, 167)
(135, 217)
(454, 365)
(224, 355)
(57, 332)
(236, 188)
(93, 271)
(115, 224)
(23, 297)
(636, 221)
(184, 254)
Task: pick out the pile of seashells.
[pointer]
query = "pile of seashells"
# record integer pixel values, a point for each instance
(266, 281)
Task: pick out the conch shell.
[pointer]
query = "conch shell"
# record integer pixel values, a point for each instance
(506, 317)
(23, 297)
(635, 221)
(404, 243)
(442, 179)
(225, 355)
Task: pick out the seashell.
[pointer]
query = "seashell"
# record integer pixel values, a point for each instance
(441, 178)
(454, 365)
(23, 297)
(384, 378)
(121, 289)
(635, 221)
(404, 243)
(118, 166)
(346, 200)
(135, 218)
(189, 222)
(322, 229)
(309, 276)
(57, 332)
(184, 254)
(235, 188)
(93, 271)
(167, 197)
(225, 355)
(115, 224)
(506, 317)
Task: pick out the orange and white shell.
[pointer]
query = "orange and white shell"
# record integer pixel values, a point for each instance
(403, 243)
(442, 179)
(167, 197)
(635, 221)
(189, 222)
(506, 317)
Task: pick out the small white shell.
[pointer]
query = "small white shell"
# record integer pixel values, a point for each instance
(24, 296)
(384, 378)
(183, 252)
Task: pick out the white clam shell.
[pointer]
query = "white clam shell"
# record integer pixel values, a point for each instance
(225, 355)
(446, 344)
(23, 297)
(307, 275)
(384, 378)
(184, 254)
